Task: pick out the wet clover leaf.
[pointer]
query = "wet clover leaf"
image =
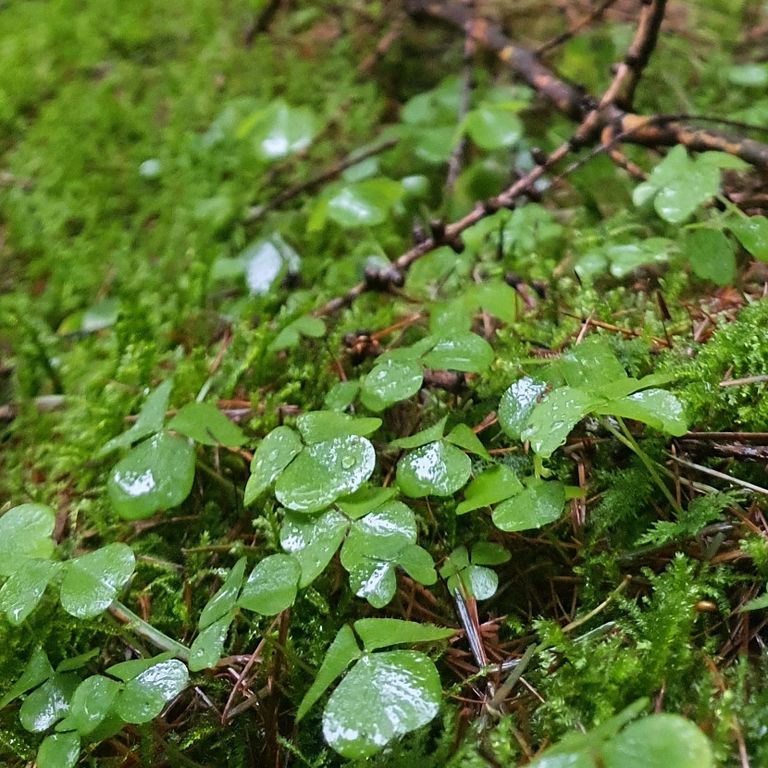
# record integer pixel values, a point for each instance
(539, 504)
(150, 419)
(363, 203)
(156, 475)
(389, 382)
(517, 404)
(272, 585)
(61, 750)
(488, 488)
(207, 425)
(384, 696)
(752, 233)
(383, 633)
(208, 646)
(324, 471)
(92, 702)
(465, 351)
(48, 704)
(555, 416)
(25, 532)
(226, 596)
(145, 695)
(340, 654)
(275, 452)
(435, 469)
(23, 591)
(710, 254)
(280, 130)
(469, 575)
(313, 540)
(659, 741)
(678, 185)
(317, 426)
(91, 582)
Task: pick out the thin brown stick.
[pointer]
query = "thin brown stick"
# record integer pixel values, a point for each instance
(573, 102)
(563, 37)
(256, 212)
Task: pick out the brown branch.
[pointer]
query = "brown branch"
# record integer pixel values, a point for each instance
(563, 37)
(622, 90)
(450, 235)
(256, 212)
(573, 102)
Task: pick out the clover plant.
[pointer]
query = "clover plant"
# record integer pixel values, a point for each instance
(157, 474)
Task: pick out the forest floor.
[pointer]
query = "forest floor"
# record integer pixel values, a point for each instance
(190, 192)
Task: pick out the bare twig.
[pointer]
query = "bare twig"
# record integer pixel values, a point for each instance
(563, 37)
(573, 102)
(256, 212)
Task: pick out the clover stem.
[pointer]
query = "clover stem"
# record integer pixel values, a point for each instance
(153, 635)
(629, 441)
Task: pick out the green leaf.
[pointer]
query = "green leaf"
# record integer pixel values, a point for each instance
(313, 327)
(364, 500)
(381, 534)
(317, 426)
(463, 436)
(383, 633)
(492, 486)
(37, 671)
(517, 405)
(91, 582)
(127, 670)
(498, 299)
(225, 598)
(480, 582)
(145, 695)
(364, 203)
(275, 452)
(281, 130)
(752, 233)
(710, 254)
(750, 75)
(417, 563)
(493, 127)
(428, 435)
(25, 588)
(437, 469)
(554, 417)
(48, 703)
(390, 381)
(272, 585)
(656, 407)
(489, 553)
(374, 580)
(461, 352)
(25, 531)
(539, 504)
(341, 395)
(659, 741)
(156, 475)
(208, 646)
(756, 604)
(61, 750)
(207, 425)
(384, 696)
(150, 419)
(91, 703)
(680, 185)
(340, 654)
(324, 471)
(591, 364)
(313, 540)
